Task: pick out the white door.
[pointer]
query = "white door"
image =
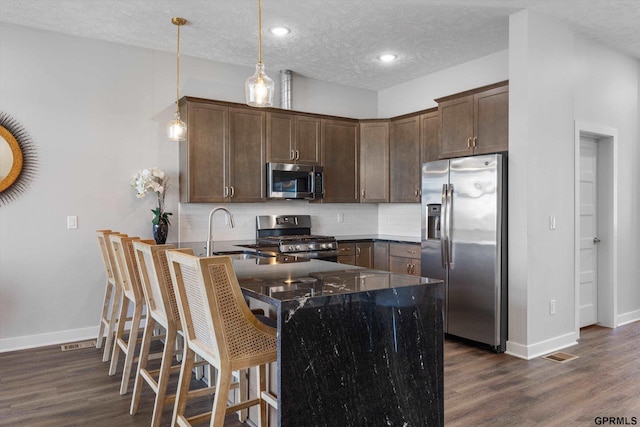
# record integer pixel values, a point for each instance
(588, 232)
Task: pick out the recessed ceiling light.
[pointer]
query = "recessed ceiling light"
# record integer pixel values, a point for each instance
(388, 57)
(279, 31)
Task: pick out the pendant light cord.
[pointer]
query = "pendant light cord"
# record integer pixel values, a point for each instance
(259, 32)
(178, 69)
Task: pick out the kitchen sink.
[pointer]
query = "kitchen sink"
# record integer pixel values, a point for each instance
(241, 254)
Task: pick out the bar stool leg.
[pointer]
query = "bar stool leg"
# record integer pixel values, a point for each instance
(111, 326)
(130, 348)
(122, 320)
(105, 312)
(163, 380)
(142, 363)
(188, 358)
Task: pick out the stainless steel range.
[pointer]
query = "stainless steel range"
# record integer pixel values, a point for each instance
(291, 234)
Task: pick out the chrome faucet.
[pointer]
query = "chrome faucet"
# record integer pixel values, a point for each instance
(209, 237)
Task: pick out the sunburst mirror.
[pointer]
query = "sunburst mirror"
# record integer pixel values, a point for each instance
(17, 159)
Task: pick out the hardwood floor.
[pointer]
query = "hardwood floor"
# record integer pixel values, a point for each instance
(484, 389)
(48, 387)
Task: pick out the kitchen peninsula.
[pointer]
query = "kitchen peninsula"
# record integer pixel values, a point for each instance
(356, 347)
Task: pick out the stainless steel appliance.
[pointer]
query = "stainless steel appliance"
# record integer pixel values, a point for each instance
(464, 242)
(291, 234)
(294, 181)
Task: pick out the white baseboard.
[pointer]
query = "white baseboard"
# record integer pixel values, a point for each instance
(52, 338)
(532, 351)
(630, 317)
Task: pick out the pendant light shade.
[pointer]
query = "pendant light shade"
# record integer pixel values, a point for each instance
(176, 128)
(259, 88)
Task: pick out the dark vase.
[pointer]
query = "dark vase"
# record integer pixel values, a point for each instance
(160, 231)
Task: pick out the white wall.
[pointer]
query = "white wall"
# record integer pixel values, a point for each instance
(556, 78)
(606, 93)
(419, 94)
(96, 112)
(540, 185)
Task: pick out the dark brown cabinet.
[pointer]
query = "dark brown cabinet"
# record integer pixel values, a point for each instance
(429, 135)
(356, 253)
(404, 258)
(374, 161)
(404, 160)
(340, 145)
(381, 256)
(293, 138)
(474, 122)
(223, 158)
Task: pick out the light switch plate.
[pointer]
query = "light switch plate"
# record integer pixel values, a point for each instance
(72, 222)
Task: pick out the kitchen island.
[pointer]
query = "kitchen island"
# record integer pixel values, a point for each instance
(356, 347)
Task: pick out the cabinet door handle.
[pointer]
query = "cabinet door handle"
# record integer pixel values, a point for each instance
(475, 142)
(362, 194)
(408, 268)
(226, 192)
(297, 155)
(233, 192)
(358, 252)
(292, 155)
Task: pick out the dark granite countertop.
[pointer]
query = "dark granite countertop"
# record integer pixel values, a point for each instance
(331, 280)
(379, 237)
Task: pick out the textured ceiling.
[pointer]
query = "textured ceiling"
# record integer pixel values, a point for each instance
(331, 40)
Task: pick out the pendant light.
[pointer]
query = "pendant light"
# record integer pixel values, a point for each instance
(176, 128)
(259, 87)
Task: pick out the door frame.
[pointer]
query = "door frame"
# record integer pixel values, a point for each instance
(607, 190)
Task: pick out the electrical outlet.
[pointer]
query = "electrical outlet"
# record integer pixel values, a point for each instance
(340, 217)
(72, 222)
(552, 222)
(552, 306)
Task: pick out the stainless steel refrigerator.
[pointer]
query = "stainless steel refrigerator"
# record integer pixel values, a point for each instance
(464, 243)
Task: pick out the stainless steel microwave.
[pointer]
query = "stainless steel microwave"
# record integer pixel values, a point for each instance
(294, 181)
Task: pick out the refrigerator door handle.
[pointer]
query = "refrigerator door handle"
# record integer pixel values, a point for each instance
(443, 228)
(449, 225)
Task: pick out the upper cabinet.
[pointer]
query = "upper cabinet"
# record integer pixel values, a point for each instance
(474, 122)
(404, 160)
(223, 158)
(340, 145)
(429, 135)
(293, 138)
(374, 161)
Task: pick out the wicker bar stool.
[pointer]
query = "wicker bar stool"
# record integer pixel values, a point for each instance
(220, 328)
(162, 309)
(110, 305)
(129, 280)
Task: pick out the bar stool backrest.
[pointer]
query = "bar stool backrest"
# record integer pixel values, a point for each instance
(127, 266)
(156, 282)
(218, 318)
(106, 251)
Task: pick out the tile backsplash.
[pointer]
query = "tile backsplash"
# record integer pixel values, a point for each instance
(333, 219)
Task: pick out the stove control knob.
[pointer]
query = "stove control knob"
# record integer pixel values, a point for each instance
(291, 248)
(323, 246)
(298, 247)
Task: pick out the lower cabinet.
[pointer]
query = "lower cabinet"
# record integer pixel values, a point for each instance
(404, 258)
(381, 256)
(360, 254)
